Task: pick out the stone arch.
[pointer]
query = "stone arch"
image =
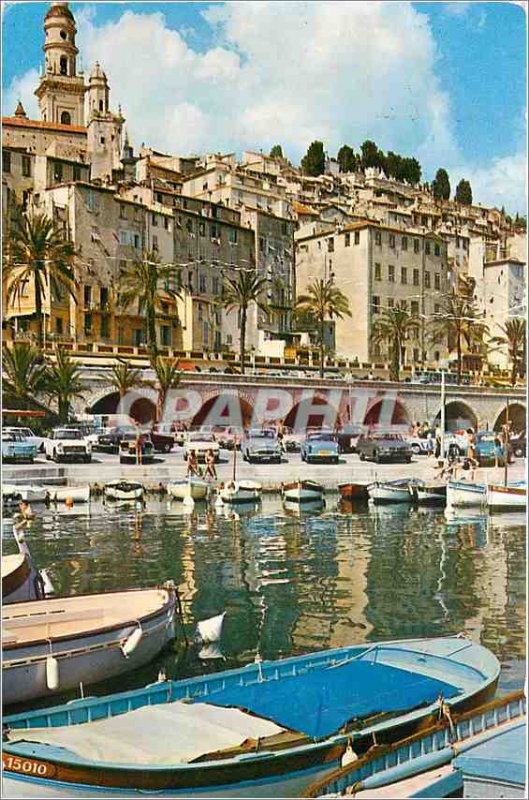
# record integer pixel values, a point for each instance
(307, 408)
(458, 416)
(107, 404)
(66, 118)
(378, 413)
(142, 409)
(201, 416)
(517, 417)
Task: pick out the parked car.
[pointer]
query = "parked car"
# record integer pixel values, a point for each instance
(419, 445)
(261, 445)
(128, 448)
(29, 436)
(16, 447)
(68, 444)
(348, 437)
(163, 442)
(200, 442)
(228, 435)
(519, 444)
(383, 447)
(292, 440)
(320, 446)
(489, 447)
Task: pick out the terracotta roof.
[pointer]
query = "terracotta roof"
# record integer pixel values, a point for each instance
(499, 261)
(373, 224)
(299, 208)
(59, 10)
(20, 122)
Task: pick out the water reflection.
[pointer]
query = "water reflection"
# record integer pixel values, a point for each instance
(295, 579)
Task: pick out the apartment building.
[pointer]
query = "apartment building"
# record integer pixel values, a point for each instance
(377, 267)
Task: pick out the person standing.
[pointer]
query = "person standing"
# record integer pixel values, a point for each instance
(192, 464)
(211, 471)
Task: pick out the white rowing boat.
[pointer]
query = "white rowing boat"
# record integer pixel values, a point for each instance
(463, 494)
(430, 493)
(506, 498)
(240, 492)
(54, 645)
(20, 581)
(60, 494)
(302, 491)
(389, 492)
(123, 490)
(23, 491)
(196, 488)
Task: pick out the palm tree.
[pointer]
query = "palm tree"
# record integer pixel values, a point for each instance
(323, 300)
(123, 377)
(459, 321)
(148, 281)
(63, 383)
(392, 327)
(167, 378)
(35, 252)
(514, 338)
(23, 369)
(239, 293)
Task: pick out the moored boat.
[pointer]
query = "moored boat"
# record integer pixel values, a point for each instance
(506, 498)
(23, 491)
(463, 494)
(353, 491)
(240, 492)
(433, 493)
(302, 491)
(196, 488)
(60, 494)
(54, 645)
(20, 581)
(237, 732)
(409, 767)
(390, 491)
(123, 490)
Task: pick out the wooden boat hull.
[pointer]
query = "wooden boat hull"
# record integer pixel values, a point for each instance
(353, 491)
(255, 772)
(465, 495)
(241, 492)
(59, 494)
(84, 657)
(430, 494)
(20, 581)
(506, 498)
(302, 491)
(386, 493)
(197, 489)
(121, 492)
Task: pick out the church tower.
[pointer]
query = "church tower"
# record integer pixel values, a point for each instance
(61, 90)
(104, 128)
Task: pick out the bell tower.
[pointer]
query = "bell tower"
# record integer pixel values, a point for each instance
(61, 90)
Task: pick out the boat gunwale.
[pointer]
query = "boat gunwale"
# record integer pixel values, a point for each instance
(168, 603)
(16, 577)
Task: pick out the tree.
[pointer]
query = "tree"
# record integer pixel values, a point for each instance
(124, 378)
(150, 283)
(62, 382)
(392, 327)
(239, 293)
(167, 378)
(322, 301)
(514, 338)
(276, 152)
(441, 185)
(410, 171)
(393, 165)
(36, 253)
(23, 368)
(458, 320)
(313, 162)
(464, 192)
(346, 159)
(371, 155)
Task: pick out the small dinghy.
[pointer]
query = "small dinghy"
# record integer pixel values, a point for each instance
(61, 494)
(23, 491)
(390, 491)
(248, 732)
(195, 488)
(54, 645)
(423, 765)
(240, 492)
(429, 494)
(302, 491)
(463, 494)
(123, 490)
(353, 491)
(506, 498)
(210, 630)
(20, 581)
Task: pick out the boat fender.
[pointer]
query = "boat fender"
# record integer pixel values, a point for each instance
(47, 585)
(52, 673)
(39, 585)
(349, 755)
(188, 501)
(219, 501)
(130, 644)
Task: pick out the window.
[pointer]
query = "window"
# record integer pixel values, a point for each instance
(200, 312)
(437, 250)
(404, 242)
(416, 245)
(155, 243)
(436, 355)
(262, 244)
(154, 218)
(87, 296)
(122, 211)
(165, 335)
(232, 235)
(88, 324)
(391, 273)
(216, 288)
(214, 212)
(202, 283)
(121, 336)
(437, 281)
(436, 308)
(404, 305)
(415, 308)
(404, 275)
(416, 277)
(59, 325)
(425, 220)
(378, 272)
(136, 240)
(214, 231)
(166, 223)
(347, 242)
(26, 166)
(376, 304)
(427, 283)
(391, 302)
(103, 297)
(76, 172)
(202, 228)
(63, 65)
(392, 240)
(378, 238)
(102, 140)
(415, 354)
(357, 237)
(66, 118)
(139, 337)
(105, 326)
(6, 161)
(427, 248)
(57, 172)
(330, 245)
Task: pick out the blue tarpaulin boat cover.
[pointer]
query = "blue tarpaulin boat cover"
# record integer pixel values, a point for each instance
(318, 703)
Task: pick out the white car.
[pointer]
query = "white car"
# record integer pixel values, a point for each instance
(29, 436)
(200, 442)
(68, 444)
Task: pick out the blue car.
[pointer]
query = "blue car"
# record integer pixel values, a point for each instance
(16, 448)
(489, 448)
(320, 446)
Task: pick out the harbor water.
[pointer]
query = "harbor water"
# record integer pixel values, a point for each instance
(294, 581)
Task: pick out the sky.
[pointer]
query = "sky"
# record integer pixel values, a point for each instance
(442, 81)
